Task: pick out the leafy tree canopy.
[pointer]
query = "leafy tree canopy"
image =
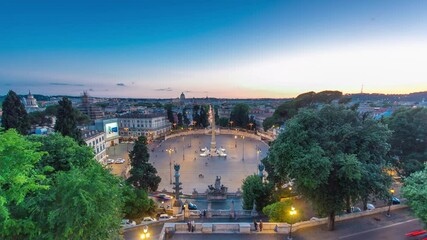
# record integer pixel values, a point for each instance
(137, 204)
(66, 121)
(14, 114)
(255, 190)
(280, 212)
(415, 190)
(409, 139)
(330, 154)
(240, 115)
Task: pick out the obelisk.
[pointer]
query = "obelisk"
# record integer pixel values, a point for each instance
(213, 141)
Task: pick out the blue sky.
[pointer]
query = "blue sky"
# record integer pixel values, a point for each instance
(158, 49)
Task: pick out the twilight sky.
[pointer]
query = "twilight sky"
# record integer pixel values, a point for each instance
(234, 49)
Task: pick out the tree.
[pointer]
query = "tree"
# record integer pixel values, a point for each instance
(66, 122)
(14, 114)
(143, 174)
(196, 115)
(409, 139)
(39, 118)
(254, 189)
(169, 112)
(185, 117)
(279, 212)
(179, 119)
(204, 120)
(63, 153)
(223, 122)
(330, 154)
(415, 190)
(17, 180)
(83, 203)
(137, 204)
(240, 115)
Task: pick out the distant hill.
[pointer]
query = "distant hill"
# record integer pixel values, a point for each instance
(412, 97)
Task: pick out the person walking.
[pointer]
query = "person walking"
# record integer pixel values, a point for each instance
(260, 225)
(193, 226)
(255, 225)
(189, 226)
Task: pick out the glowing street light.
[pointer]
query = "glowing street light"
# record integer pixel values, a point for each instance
(258, 151)
(391, 202)
(292, 213)
(235, 141)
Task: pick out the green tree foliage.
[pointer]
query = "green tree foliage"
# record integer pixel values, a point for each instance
(196, 115)
(279, 212)
(169, 112)
(415, 190)
(17, 180)
(224, 122)
(290, 108)
(80, 204)
(143, 174)
(39, 118)
(14, 114)
(332, 155)
(185, 117)
(137, 204)
(409, 139)
(204, 118)
(254, 189)
(240, 115)
(66, 121)
(63, 153)
(180, 123)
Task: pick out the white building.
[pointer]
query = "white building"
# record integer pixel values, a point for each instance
(96, 140)
(133, 125)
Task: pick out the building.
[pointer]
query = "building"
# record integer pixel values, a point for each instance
(96, 140)
(30, 103)
(111, 129)
(87, 107)
(153, 126)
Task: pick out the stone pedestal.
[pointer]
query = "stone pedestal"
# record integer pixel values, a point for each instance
(207, 228)
(244, 227)
(209, 213)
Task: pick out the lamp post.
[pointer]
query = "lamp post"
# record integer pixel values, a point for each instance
(235, 141)
(391, 202)
(169, 150)
(231, 124)
(292, 213)
(258, 151)
(145, 234)
(183, 148)
(243, 156)
(250, 125)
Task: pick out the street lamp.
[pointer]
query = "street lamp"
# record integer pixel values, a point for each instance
(258, 151)
(169, 150)
(250, 125)
(391, 202)
(183, 148)
(235, 141)
(145, 234)
(292, 213)
(243, 156)
(231, 123)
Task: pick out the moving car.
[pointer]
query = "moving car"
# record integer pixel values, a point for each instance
(191, 206)
(163, 196)
(120, 160)
(110, 161)
(395, 200)
(148, 220)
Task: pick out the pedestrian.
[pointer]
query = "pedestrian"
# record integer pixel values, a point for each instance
(193, 226)
(260, 225)
(189, 226)
(255, 226)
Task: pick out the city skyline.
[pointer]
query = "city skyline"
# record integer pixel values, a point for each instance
(223, 49)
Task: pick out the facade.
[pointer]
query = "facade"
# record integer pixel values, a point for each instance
(153, 126)
(96, 140)
(30, 103)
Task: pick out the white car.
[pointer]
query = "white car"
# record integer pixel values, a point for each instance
(110, 161)
(164, 216)
(204, 154)
(148, 220)
(120, 160)
(370, 206)
(127, 223)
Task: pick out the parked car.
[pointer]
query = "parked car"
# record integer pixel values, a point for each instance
(370, 206)
(355, 209)
(120, 160)
(164, 216)
(110, 161)
(127, 223)
(191, 206)
(148, 220)
(395, 200)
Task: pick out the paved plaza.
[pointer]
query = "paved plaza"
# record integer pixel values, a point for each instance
(242, 160)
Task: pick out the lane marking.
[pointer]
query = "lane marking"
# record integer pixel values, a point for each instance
(375, 229)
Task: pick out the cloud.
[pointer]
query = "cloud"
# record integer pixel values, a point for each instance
(164, 89)
(66, 84)
(121, 84)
